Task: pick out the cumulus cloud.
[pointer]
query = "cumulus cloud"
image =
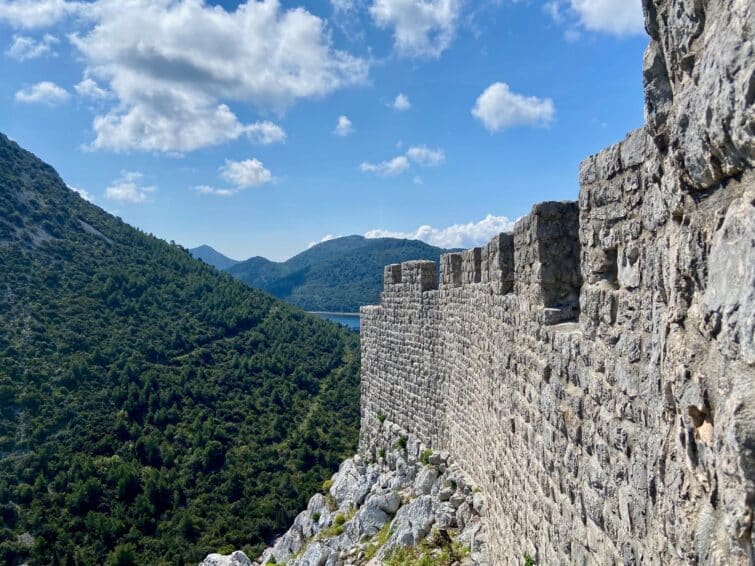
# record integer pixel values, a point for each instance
(44, 92)
(421, 28)
(456, 236)
(421, 155)
(174, 68)
(401, 103)
(388, 168)
(499, 108)
(31, 14)
(127, 189)
(86, 195)
(245, 174)
(265, 133)
(617, 17)
(91, 89)
(325, 238)
(24, 47)
(344, 127)
(241, 174)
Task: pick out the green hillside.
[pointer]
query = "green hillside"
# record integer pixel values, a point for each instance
(338, 275)
(152, 409)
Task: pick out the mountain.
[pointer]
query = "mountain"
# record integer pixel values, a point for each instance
(339, 275)
(152, 408)
(212, 257)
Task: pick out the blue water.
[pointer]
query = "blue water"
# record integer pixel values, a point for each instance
(348, 320)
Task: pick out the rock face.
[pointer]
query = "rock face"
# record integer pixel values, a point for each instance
(594, 371)
(238, 558)
(407, 496)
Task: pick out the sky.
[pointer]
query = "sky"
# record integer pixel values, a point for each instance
(263, 127)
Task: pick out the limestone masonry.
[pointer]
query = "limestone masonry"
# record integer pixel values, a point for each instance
(594, 372)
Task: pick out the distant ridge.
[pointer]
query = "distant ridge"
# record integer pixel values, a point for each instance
(212, 257)
(339, 275)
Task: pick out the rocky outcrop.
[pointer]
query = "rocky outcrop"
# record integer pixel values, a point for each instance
(238, 558)
(402, 503)
(401, 496)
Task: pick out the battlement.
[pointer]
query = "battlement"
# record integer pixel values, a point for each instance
(411, 276)
(540, 261)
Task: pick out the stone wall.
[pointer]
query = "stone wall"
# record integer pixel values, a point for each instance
(594, 371)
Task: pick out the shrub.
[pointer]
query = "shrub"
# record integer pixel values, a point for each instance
(315, 516)
(529, 561)
(426, 456)
(381, 417)
(330, 501)
(401, 444)
(382, 453)
(326, 485)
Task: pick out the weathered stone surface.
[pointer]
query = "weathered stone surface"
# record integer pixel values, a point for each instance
(352, 482)
(412, 516)
(238, 558)
(699, 86)
(412, 523)
(606, 407)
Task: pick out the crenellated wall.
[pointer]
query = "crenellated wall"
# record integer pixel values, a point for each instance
(594, 371)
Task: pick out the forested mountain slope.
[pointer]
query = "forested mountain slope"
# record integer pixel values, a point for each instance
(338, 275)
(152, 409)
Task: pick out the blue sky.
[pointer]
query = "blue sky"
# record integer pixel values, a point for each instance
(261, 127)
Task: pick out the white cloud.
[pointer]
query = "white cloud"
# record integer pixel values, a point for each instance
(389, 168)
(208, 190)
(425, 156)
(346, 18)
(241, 174)
(498, 108)
(245, 174)
(167, 122)
(44, 92)
(325, 238)
(36, 13)
(421, 155)
(456, 236)
(91, 89)
(265, 133)
(86, 195)
(175, 67)
(344, 127)
(127, 189)
(421, 28)
(618, 17)
(344, 5)
(24, 47)
(401, 103)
